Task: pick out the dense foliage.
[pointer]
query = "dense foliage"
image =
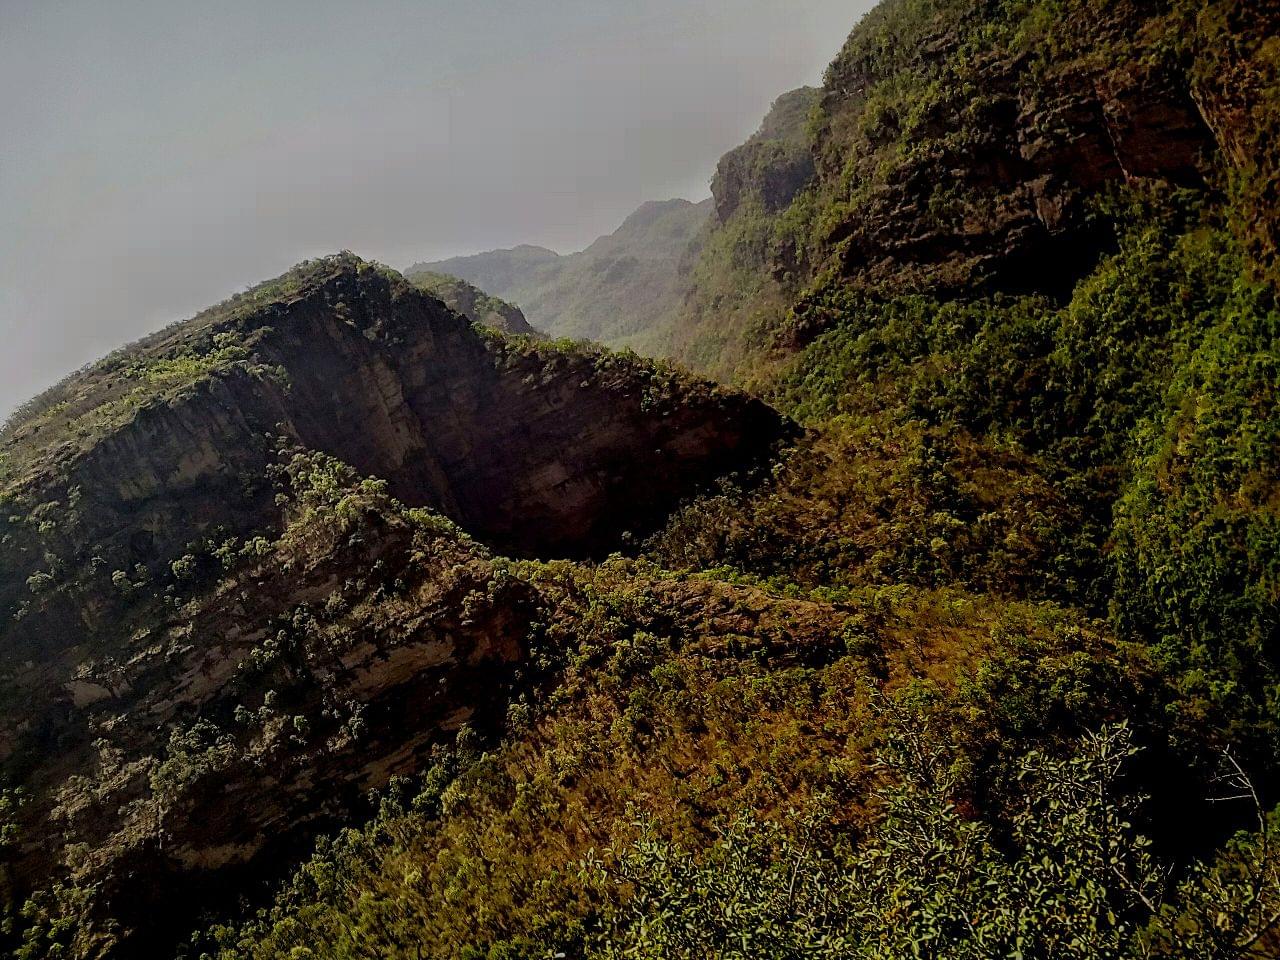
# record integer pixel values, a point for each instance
(987, 666)
(918, 787)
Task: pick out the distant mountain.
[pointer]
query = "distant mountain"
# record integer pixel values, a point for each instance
(474, 304)
(654, 284)
(624, 283)
(497, 272)
(737, 276)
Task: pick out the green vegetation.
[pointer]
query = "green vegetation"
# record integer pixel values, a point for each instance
(987, 666)
(1073, 879)
(684, 727)
(746, 261)
(620, 286)
(1048, 523)
(472, 302)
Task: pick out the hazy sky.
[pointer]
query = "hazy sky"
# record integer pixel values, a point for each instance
(158, 155)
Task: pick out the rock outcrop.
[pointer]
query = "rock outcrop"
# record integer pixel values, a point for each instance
(217, 638)
(774, 164)
(1006, 148)
(238, 724)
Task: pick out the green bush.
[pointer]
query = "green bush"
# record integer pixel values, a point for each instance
(1070, 875)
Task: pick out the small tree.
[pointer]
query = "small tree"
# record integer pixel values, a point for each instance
(1070, 877)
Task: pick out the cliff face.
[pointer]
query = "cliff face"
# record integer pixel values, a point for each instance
(732, 281)
(1006, 147)
(525, 446)
(964, 147)
(956, 146)
(1033, 528)
(251, 569)
(942, 170)
(774, 164)
(171, 556)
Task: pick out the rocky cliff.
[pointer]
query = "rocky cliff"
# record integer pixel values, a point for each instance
(966, 147)
(1007, 147)
(1012, 591)
(774, 164)
(217, 637)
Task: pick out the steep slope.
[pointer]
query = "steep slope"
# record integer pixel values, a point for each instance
(773, 165)
(988, 665)
(622, 284)
(217, 637)
(733, 283)
(474, 304)
(960, 147)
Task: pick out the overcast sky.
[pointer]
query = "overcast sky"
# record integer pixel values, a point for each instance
(158, 155)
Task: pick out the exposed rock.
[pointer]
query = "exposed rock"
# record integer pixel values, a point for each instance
(992, 193)
(1237, 86)
(133, 654)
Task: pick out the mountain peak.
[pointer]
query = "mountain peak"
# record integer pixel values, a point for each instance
(155, 479)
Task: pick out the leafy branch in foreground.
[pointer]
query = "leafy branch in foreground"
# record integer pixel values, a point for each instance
(1069, 875)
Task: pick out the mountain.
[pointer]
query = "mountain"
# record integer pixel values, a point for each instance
(621, 284)
(1008, 602)
(630, 288)
(221, 631)
(497, 270)
(474, 304)
(952, 163)
(729, 280)
(339, 626)
(774, 164)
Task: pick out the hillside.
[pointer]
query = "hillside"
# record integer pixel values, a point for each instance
(732, 279)
(963, 148)
(474, 304)
(623, 283)
(237, 590)
(342, 627)
(1025, 303)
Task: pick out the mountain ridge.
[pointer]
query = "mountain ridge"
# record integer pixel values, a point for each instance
(474, 304)
(179, 503)
(618, 285)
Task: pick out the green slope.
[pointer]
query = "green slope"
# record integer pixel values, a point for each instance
(622, 284)
(988, 663)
